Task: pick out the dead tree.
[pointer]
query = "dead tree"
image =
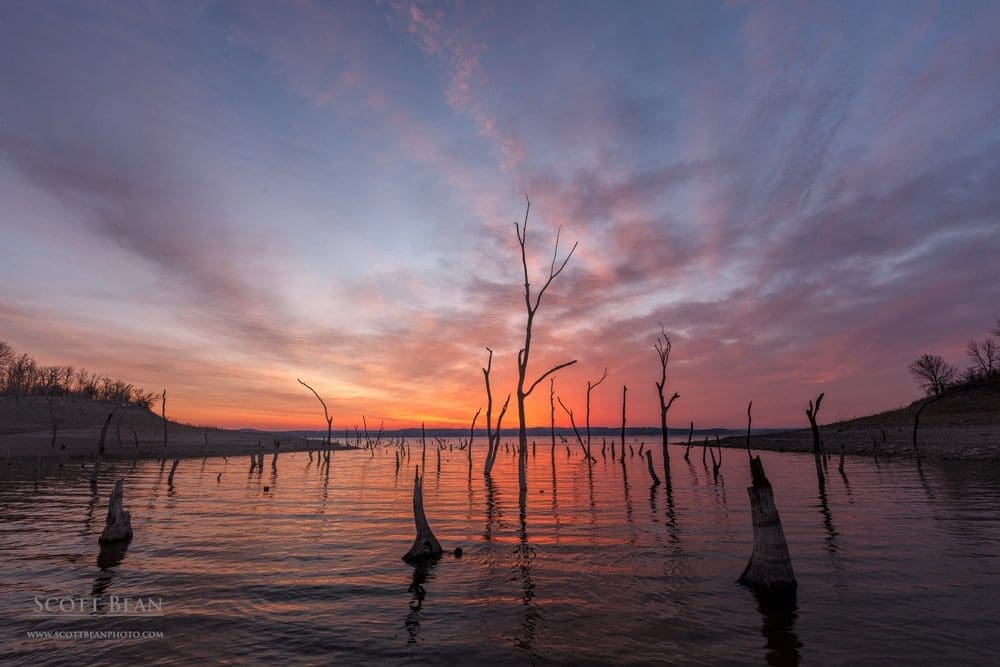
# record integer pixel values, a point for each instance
(326, 414)
(687, 452)
(769, 571)
(552, 415)
(163, 413)
(663, 347)
(624, 396)
(425, 545)
(916, 423)
(104, 433)
(55, 425)
(93, 472)
(492, 437)
(840, 468)
(652, 471)
(531, 305)
(173, 469)
(590, 387)
(472, 434)
(584, 448)
(811, 413)
(118, 525)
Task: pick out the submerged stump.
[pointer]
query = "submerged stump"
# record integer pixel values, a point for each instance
(769, 571)
(118, 526)
(425, 545)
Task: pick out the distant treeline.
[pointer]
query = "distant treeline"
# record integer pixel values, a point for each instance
(21, 375)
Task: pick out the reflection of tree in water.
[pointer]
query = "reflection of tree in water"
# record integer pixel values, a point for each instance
(524, 554)
(778, 628)
(831, 532)
(672, 530)
(628, 505)
(110, 556)
(422, 572)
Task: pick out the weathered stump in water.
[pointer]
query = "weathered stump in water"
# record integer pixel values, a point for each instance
(425, 545)
(769, 571)
(118, 526)
(652, 471)
(173, 469)
(93, 472)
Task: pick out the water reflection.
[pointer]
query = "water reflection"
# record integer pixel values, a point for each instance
(524, 554)
(423, 571)
(778, 628)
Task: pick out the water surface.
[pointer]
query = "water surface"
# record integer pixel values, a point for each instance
(895, 564)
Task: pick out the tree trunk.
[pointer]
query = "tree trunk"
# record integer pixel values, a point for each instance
(118, 526)
(769, 571)
(173, 469)
(425, 545)
(652, 471)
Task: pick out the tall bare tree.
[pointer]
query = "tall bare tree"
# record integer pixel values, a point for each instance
(532, 304)
(663, 347)
(326, 414)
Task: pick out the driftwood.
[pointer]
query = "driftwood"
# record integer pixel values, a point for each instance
(652, 471)
(769, 571)
(425, 545)
(118, 526)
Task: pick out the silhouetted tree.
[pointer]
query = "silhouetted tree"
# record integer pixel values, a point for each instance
(985, 358)
(663, 347)
(531, 305)
(492, 437)
(933, 373)
(326, 414)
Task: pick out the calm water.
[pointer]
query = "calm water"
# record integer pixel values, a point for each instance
(898, 565)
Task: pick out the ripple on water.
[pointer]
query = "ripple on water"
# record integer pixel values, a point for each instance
(895, 564)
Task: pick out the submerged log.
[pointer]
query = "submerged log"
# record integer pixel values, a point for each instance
(425, 545)
(769, 571)
(118, 526)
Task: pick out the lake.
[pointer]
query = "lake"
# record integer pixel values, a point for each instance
(898, 564)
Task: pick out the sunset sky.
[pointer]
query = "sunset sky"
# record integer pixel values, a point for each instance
(219, 198)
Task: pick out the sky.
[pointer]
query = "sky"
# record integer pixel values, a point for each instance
(218, 198)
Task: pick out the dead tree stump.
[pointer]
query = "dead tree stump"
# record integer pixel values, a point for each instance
(652, 471)
(118, 526)
(425, 545)
(173, 469)
(769, 571)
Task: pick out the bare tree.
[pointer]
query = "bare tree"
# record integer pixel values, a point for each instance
(996, 328)
(985, 358)
(663, 347)
(811, 413)
(590, 387)
(933, 373)
(326, 414)
(531, 305)
(492, 437)
(572, 422)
